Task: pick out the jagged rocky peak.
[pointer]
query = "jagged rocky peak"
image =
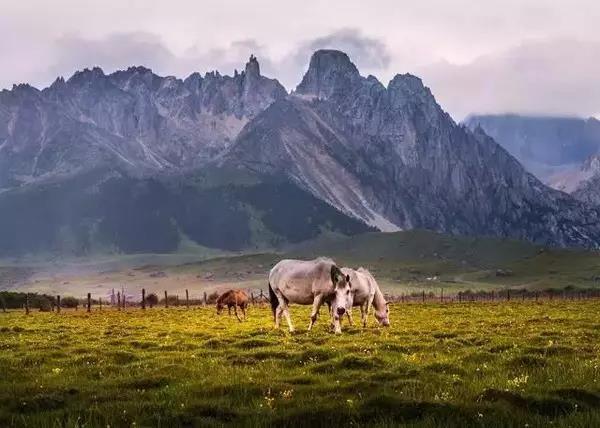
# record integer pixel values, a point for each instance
(592, 164)
(329, 72)
(252, 67)
(409, 89)
(86, 73)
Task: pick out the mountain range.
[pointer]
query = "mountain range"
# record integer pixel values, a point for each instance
(135, 162)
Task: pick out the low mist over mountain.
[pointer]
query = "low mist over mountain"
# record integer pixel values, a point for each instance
(552, 148)
(135, 162)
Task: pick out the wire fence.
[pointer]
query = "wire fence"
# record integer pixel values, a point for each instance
(122, 299)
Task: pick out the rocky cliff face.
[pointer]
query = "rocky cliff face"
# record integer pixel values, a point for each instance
(393, 158)
(586, 182)
(132, 118)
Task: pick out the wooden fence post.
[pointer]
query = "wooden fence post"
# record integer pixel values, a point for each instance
(58, 303)
(177, 300)
(423, 296)
(205, 299)
(166, 300)
(89, 302)
(143, 298)
(441, 295)
(524, 295)
(118, 300)
(100, 302)
(252, 297)
(536, 296)
(187, 299)
(508, 294)
(27, 304)
(460, 297)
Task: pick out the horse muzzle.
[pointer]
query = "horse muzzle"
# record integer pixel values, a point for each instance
(341, 311)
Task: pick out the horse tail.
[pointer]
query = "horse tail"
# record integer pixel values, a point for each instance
(273, 299)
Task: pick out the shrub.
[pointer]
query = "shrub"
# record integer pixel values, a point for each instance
(69, 302)
(212, 298)
(152, 299)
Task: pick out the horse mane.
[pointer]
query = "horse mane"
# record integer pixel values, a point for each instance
(363, 270)
(224, 295)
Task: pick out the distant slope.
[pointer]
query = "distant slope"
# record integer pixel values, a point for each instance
(427, 259)
(546, 146)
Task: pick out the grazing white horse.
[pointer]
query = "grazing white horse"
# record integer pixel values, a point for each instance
(309, 283)
(366, 294)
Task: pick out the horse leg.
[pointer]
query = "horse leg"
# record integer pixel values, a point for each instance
(363, 314)
(337, 328)
(278, 313)
(350, 320)
(369, 306)
(315, 310)
(236, 313)
(244, 311)
(280, 307)
(229, 309)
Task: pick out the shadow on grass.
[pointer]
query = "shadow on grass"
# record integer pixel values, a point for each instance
(541, 406)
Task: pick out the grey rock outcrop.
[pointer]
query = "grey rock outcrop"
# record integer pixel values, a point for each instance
(393, 158)
(133, 118)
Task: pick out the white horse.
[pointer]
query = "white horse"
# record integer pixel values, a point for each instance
(309, 282)
(366, 294)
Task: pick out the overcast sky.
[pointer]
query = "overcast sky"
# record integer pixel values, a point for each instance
(525, 56)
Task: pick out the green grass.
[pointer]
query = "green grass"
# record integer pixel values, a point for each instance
(481, 364)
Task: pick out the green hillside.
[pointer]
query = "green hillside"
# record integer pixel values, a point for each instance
(418, 259)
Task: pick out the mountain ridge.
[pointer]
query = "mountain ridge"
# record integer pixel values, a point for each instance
(384, 157)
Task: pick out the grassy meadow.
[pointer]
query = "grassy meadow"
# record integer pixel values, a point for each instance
(481, 364)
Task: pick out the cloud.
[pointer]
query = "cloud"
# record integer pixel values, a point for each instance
(551, 77)
(115, 51)
(121, 50)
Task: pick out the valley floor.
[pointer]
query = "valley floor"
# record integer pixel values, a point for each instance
(471, 364)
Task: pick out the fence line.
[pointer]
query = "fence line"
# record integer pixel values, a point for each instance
(32, 301)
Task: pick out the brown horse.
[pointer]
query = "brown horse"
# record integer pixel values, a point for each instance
(233, 298)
